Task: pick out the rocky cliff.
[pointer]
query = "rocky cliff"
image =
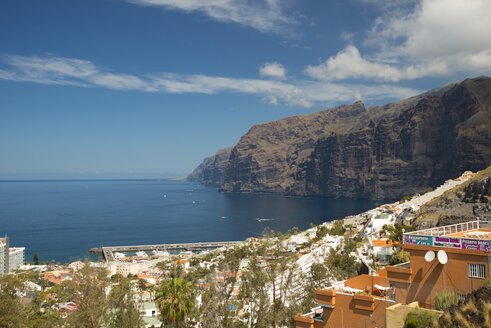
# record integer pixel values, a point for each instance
(211, 171)
(382, 152)
(438, 138)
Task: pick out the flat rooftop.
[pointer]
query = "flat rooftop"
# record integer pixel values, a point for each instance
(475, 235)
(15, 249)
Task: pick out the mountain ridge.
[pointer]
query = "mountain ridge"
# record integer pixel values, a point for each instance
(350, 151)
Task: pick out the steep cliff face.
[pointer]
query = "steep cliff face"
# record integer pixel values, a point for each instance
(382, 152)
(269, 156)
(423, 146)
(211, 171)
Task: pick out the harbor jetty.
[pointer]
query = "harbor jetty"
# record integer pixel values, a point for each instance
(108, 252)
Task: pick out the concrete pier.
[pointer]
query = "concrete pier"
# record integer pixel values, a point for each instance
(107, 252)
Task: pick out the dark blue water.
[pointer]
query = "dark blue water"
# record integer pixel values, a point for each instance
(61, 220)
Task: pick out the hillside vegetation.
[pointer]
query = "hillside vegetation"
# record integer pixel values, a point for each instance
(463, 203)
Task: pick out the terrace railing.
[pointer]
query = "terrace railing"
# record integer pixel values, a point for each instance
(441, 236)
(451, 229)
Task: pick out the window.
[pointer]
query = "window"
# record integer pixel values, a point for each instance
(476, 270)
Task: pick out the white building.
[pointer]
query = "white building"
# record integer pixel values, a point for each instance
(150, 313)
(123, 268)
(382, 249)
(16, 258)
(3, 252)
(378, 221)
(11, 258)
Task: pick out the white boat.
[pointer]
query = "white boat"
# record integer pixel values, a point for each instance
(262, 220)
(119, 256)
(141, 254)
(160, 253)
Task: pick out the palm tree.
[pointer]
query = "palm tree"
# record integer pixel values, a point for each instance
(175, 299)
(141, 285)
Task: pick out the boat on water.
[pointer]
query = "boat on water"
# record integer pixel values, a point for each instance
(141, 254)
(119, 256)
(160, 253)
(262, 220)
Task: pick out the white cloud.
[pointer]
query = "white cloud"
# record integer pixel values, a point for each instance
(439, 37)
(120, 82)
(306, 93)
(263, 15)
(274, 70)
(347, 36)
(349, 64)
(435, 37)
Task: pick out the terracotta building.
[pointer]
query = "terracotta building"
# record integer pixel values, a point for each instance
(456, 258)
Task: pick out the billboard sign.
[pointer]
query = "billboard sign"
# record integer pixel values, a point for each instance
(418, 240)
(449, 242)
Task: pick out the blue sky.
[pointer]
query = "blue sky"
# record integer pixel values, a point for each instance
(148, 88)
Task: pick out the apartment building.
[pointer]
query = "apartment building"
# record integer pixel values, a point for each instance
(455, 257)
(11, 258)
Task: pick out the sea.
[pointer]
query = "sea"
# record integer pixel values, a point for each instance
(61, 220)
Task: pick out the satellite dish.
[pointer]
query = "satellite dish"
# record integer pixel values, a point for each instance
(442, 257)
(429, 256)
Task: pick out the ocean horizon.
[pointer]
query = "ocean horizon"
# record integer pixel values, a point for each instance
(62, 219)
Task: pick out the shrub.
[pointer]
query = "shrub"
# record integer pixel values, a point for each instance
(444, 299)
(338, 229)
(400, 256)
(487, 282)
(419, 319)
(403, 199)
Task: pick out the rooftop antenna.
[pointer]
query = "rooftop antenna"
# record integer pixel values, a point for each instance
(442, 256)
(429, 256)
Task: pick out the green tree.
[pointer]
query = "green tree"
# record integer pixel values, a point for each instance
(399, 256)
(175, 299)
(88, 289)
(12, 312)
(396, 233)
(337, 229)
(124, 312)
(35, 259)
(318, 277)
(254, 293)
(219, 296)
(141, 286)
(280, 270)
(42, 314)
(320, 233)
(343, 266)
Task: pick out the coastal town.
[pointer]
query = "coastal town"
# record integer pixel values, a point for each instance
(245, 164)
(367, 270)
